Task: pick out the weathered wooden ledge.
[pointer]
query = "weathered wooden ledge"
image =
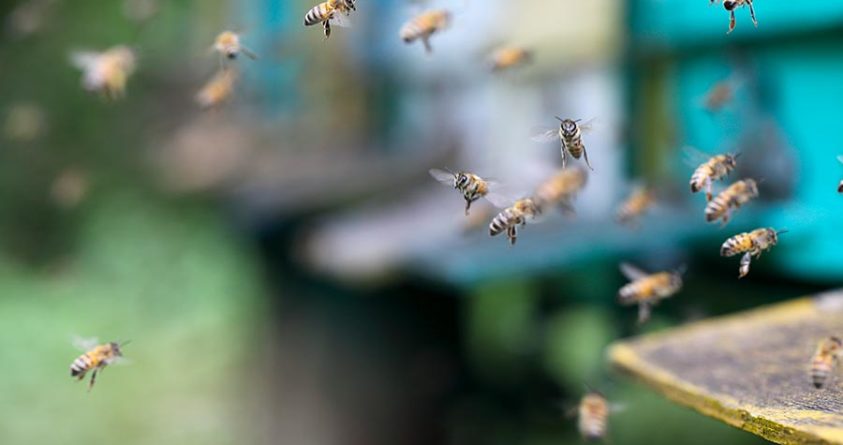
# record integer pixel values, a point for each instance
(749, 370)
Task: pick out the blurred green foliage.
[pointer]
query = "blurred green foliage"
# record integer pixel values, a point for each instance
(171, 280)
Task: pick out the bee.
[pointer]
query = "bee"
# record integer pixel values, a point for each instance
(641, 199)
(511, 217)
(731, 5)
(471, 186)
(106, 72)
(509, 57)
(646, 290)
(561, 189)
(714, 169)
(330, 13)
(425, 25)
(228, 44)
(95, 359)
(750, 244)
(570, 133)
(824, 360)
(592, 416)
(840, 185)
(733, 197)
(218, 89)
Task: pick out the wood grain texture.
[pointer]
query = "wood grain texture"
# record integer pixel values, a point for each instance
(749, 370)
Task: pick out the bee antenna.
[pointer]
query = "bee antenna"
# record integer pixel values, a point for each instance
(779, 232)
(559, 118)
(737, 155)
(124, 343)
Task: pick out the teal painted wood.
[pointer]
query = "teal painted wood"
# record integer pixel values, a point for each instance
(678, 23)
(793, 86)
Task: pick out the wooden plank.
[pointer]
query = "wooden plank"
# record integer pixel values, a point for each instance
(749, 370)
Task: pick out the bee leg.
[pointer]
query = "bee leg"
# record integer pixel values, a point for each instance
(564, 155)
(585, 155)
(752, 13)
(746, 259)
(467, 206)
(93, 379)
(512, 234)
(426, 42)
(731, 22)
(643, 312)
(327, 26)
(708, 189)
(726, 215)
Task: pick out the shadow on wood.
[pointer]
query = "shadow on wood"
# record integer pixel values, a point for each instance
(749, 370)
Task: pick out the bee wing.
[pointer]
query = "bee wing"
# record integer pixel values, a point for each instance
(617, 407)
(693, 157)
(498, 199)
(121, 361)
(84, 343)
(545, 134)
(83, 59)
(631, 272)
(589, 125)
(340, 20)
(442, 176)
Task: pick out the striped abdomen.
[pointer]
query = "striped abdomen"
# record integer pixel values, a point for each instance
(701, 175)
(318, 14)
(83, 364)
(652, 287)
(593, 417)
(717, 207)
(737, 244)
(821, 368)
(506, 219)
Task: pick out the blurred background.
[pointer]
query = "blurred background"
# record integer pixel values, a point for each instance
(287, 270)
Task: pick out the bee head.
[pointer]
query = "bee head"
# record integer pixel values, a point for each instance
(732, 160)
(461, 180)
(835, 342)
(115, 347)
(751, 186)
(676, 280)
(567, 125)
(730, 4)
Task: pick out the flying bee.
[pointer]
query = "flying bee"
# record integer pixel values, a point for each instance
(106, 72)
(731, 5)
(710, 170)
(229, 45)
(646, 290)
(750, 244)
(570, 133)
(592, 416)
(95, 359)
(511, 217)
(329, 13)
(471, 186)
(509, 57)
(218, 89)
(733, 197)
(718, 96)
(561, 189)
(840, 185)
(824, 360)
(641, 200)
(424, 25)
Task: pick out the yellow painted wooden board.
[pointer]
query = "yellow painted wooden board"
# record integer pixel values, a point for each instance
(749, 370)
